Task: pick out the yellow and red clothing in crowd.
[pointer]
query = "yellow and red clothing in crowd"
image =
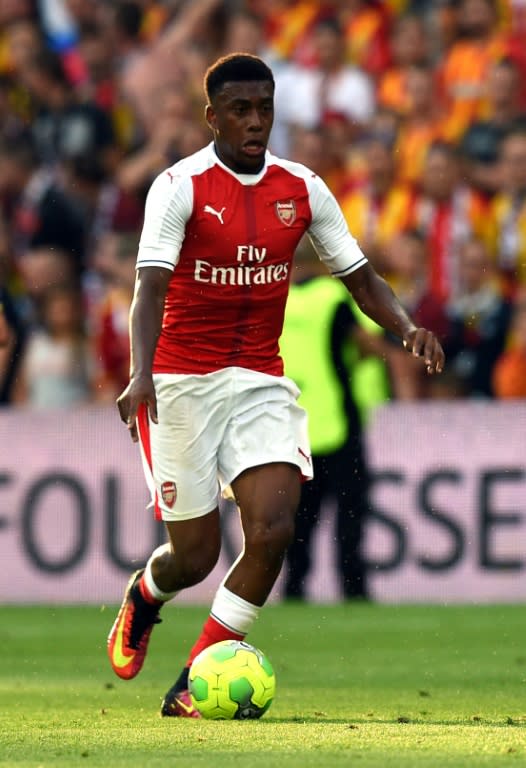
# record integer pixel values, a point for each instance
(463, 75)
(288, 29)
(367, 36)
(377, 219)
(506, 238)
(446, 225)
(391, 92)
(414, 139)
(509, 374)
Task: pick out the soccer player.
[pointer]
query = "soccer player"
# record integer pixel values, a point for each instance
(207, 398)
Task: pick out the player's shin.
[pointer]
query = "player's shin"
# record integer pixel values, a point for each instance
(148, 585)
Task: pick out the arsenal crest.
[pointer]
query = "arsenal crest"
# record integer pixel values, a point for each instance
(286, 212)
(169, 493)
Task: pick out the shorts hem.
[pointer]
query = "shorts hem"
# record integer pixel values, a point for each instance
(306, 473)
(174, 517)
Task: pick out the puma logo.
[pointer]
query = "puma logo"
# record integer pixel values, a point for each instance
(219, 214)
(172, 177)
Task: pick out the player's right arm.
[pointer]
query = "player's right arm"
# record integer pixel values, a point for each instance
(146, 315)
(168, 206)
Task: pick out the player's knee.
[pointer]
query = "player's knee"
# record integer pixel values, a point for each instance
(271, 536)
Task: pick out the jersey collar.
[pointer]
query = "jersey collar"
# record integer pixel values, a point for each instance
(248, 179)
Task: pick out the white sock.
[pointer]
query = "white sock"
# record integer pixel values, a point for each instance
(150, 584)
(233, 611)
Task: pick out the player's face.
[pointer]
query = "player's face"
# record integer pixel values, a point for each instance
(241, 119)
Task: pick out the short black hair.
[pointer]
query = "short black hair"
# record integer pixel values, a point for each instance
(50, 64)
(235, 68)
(128, 18)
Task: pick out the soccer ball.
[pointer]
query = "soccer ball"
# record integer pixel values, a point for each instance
(231, 680)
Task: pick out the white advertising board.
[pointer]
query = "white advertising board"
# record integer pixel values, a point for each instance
(448, 522)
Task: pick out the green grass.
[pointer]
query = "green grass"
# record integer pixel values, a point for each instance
(358, 685)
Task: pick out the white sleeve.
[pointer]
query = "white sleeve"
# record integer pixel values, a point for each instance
(329, 232)
(168, 207)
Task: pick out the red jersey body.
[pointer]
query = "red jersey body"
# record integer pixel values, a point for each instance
(230, 240)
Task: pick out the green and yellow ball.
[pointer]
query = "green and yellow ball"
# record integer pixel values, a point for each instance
(231, 680)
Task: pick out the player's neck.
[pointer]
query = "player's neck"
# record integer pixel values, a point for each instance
(235, 168)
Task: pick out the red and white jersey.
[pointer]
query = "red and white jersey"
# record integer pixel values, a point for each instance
(230, 239)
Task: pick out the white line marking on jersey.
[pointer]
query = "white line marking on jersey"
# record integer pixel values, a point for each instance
(219, 214)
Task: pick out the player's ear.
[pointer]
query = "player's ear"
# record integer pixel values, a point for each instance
(210, 117)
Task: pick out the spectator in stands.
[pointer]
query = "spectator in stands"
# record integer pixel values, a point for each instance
(130, 76)
(479, 318)
(409, 48)
(481, 143)
(380, 208)
(160, 148)
(340, 175)
(123, 21)
(23, 40)
(507, 230)
(164, 61)
(407, 260)
(55, 367)
(304, 95)
(509, 373)
(420, 126)
(408, 273)
(64, 128)
(83, 13)
(448, 213)
(466, 66)
(12, 120)
(114, 261)
(39, 270)
(38, 210)
(244, 31)
(98, 58)
(366, 29)
(289, 29)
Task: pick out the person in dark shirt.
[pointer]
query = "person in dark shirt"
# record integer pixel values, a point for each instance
(40, 212)
(64, 128)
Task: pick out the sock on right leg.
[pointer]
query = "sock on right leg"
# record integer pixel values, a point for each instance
(230, 619)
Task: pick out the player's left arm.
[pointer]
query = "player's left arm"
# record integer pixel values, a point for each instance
(375, 297)
(343, 257)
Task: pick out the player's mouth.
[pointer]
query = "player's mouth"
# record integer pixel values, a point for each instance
(254, 148)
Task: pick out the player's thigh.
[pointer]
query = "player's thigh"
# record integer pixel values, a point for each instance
(266, 427)
(196, 543)
(268, 498)
(181, 449)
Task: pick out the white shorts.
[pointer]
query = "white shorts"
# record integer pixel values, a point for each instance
(211, 428)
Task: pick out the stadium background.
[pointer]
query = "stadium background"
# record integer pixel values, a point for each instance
(421, 136)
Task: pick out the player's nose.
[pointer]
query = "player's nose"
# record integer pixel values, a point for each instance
(255, 122)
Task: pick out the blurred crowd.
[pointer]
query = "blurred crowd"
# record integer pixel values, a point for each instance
(414, 113)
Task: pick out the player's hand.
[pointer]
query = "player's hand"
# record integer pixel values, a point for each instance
(139, 391)
(425, 345)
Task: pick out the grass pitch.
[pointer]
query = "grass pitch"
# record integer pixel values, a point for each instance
(360, 685)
